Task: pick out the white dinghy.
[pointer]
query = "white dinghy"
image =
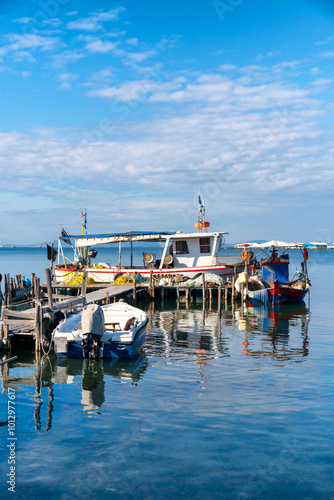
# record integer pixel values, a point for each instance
(113, 331)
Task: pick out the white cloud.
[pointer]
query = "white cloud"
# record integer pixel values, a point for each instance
(132, 41)
(95, 20)
(227, 67)
(136, 90)
(322, 82)
(18, 42)
(100, 77)
(68, 56)
(328, 53)
(139, 57)
(54, 22)
(23, 20)
(100, 46)
(66, 80)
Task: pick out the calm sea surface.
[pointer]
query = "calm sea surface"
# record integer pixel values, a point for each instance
(239, 407)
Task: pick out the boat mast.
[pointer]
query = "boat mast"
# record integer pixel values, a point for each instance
(83, 216)
(202, 225)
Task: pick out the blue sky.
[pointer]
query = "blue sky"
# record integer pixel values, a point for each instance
(128, 109)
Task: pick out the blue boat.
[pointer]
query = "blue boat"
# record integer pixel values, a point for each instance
(114, 331)
(276, 287)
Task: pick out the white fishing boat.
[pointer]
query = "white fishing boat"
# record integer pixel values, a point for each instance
(182, 253)
(113, 331)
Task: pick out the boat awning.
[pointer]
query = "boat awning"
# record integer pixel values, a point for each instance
(272, 244)
(88, 240)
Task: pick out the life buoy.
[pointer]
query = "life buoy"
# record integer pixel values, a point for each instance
(244, 255)
(305, 254)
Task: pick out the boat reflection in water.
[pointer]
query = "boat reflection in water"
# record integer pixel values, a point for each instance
(93, 372)
(45, 372)
(280, 332)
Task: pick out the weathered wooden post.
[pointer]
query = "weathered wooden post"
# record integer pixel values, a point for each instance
(152, 285)
(32, 293)
(219, 298)
(203, 287)
(38, 328)
(5, 333)
(233, 289)
(134, 291)
(107, 298)
(49, 288)
(6, 291)
(84, 286)
(38, 309)
(37, 290)
(18, 281)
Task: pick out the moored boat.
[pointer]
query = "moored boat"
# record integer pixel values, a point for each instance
(274, 284)
(182, 253)
(112, 331)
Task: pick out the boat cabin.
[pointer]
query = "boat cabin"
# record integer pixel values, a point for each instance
(179, 249)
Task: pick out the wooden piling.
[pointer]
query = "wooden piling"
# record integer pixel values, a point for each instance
(134, 291)
(49, 288)
(233, 289)
(32, 293)
(6, 291)
(38, 328)
(219, 298)
(84, 285)
(37, 289)
(18, 280)
(5, 332)
(152, 285)
(203, 287)
(107, 298)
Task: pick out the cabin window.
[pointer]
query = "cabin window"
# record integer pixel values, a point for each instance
(204, 245)
(181, 247)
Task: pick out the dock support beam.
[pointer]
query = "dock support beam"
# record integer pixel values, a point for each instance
(203, 287)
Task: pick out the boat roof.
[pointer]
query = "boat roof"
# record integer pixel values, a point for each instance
(87, 240)
(272, 244)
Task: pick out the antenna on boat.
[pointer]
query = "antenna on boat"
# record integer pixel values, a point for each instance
(202, 224)
(83, 216)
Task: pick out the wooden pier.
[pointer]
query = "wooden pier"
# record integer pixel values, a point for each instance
(36, 322)
(29, 323)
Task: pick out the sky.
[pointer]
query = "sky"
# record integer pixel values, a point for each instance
(130, 109)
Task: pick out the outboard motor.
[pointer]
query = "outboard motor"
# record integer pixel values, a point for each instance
(92, 322)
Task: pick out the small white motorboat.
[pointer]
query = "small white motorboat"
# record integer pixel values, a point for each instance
(113, 331)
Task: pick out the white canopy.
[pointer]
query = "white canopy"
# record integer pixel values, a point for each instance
(272, 244)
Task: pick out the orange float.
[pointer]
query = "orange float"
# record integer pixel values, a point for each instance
(244, 255)
(201, 225)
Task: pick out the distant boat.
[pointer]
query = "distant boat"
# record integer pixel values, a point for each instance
(112, 331)
(275, 285)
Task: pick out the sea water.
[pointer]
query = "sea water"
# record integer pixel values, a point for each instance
(238, 406)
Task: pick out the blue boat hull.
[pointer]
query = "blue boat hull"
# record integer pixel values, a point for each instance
(109, 350)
